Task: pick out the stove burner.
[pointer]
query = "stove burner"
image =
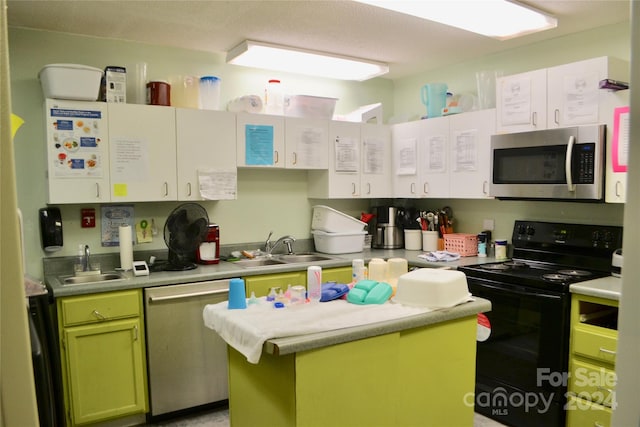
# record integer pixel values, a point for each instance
(516, 264)
(555, 277)
(494, 267)
(575, 273)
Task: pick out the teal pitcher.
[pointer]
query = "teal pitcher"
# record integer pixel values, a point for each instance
(434, 97)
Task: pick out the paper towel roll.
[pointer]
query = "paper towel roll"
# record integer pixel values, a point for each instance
(126, 247)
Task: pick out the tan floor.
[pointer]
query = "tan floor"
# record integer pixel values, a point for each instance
(220, 418)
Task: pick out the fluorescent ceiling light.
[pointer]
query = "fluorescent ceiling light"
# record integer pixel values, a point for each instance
(500, 19)
(301, 61)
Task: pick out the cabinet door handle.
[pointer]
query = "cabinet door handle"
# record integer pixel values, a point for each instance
(166, 189)
(353, 188)
(368, 188)
(276, 159)
(135, 332)
(425, 188)
(606, 351)
(295, 158)
(98, 315)
(97, 190)
(413, 188)
(534, 118)
(189, 189)
(618, 188)
(556, 116)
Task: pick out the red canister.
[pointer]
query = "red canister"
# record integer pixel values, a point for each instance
(209, 250)
(158, 93)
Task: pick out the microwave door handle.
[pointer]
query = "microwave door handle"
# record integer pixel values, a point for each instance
(567, 165)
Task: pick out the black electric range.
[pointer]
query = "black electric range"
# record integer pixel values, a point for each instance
(529, 318)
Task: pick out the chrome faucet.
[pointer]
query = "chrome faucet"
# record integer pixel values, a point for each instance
(286, 240)
(86, 261)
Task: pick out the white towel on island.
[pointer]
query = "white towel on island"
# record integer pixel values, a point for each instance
(246, 330)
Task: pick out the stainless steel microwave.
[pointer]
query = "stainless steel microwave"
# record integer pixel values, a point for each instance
(563, 164)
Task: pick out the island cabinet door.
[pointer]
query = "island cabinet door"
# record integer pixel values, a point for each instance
(106, 370)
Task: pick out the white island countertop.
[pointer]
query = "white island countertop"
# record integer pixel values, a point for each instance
(609, 287)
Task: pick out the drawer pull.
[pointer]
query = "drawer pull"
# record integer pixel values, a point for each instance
(135, 333)
(608, 390)
(604, 350)
(187, 295)
(98, 315)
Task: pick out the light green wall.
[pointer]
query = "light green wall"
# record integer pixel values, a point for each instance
(612, 40)
(272, 200)
(267, 200)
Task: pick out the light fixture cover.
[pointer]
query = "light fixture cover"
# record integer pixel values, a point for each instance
(302, 61)
(499, 19)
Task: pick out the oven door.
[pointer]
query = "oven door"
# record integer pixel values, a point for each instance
(521, 367)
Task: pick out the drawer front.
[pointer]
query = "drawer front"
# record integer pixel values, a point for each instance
(595, 343)
(581, 413)
(592, 382)
(100, 307)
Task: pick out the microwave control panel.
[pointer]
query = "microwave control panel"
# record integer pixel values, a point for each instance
(583, 163)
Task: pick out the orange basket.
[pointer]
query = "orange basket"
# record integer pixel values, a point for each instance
(461, 243)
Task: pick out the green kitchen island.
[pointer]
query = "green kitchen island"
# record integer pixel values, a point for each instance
(414, 371)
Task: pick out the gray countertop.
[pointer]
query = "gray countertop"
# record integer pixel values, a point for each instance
(609, 287)
(282, 346)
(226, 270)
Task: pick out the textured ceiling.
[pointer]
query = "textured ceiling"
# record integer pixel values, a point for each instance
(343, 27)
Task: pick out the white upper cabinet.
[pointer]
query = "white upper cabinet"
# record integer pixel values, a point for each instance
(342, 178)
(306, 143)
(470, 141)
(434, 157)
(574, 95)
(77, 138)
(359, 164)
(562, 96)
(375, 179)
(405, 174)
(420, 156)
(444, 156)
(260, 140)
(142, 146)
(521, 102)
(206, 154)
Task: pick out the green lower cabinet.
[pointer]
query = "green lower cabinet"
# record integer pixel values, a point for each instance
(103, 356)
(261, 284)
(340, 275)
(416, 377)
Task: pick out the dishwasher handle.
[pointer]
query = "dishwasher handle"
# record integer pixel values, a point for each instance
(187, 295)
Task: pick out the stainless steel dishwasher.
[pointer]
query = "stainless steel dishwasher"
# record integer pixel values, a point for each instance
(187, 360)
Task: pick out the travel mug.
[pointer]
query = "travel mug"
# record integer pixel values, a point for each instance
(237, 294)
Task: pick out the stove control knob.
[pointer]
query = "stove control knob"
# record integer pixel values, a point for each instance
(521, 229)
(530, 230)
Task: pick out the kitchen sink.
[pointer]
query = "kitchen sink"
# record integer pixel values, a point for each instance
(304, 257)
(257, 262)
(91, 278)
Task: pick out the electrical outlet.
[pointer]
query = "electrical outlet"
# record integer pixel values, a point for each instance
(488, 224)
